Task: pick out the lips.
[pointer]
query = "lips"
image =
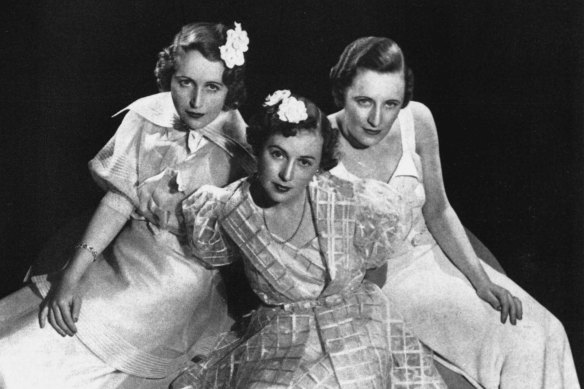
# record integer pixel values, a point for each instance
(369, 131)
(281, 188)
(195, 115)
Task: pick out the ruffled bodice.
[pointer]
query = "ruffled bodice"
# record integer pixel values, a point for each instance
(354, 233)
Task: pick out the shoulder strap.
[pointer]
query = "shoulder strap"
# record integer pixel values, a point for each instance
(408, 132)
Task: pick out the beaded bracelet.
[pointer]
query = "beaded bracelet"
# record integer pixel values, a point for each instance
(85, 246)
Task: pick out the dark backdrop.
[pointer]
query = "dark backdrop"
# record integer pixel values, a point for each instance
(504, 80)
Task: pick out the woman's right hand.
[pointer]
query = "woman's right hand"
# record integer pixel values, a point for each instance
(502, 300)
(62, 305)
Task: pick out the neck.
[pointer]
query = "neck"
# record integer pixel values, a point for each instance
(346, 137)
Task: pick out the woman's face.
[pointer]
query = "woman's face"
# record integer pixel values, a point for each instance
(287, 164)
(372, 103)
(197, 88)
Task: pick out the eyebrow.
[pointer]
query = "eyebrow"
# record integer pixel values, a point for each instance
(284, 151)
(178, 75)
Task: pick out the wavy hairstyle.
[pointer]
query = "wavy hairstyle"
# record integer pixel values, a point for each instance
(206, 38)
(374, 53)
(266, 123)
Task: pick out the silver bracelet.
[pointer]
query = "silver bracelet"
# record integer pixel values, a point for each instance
(85, 246)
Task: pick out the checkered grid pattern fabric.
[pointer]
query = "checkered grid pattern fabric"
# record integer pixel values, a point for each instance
(334, 330)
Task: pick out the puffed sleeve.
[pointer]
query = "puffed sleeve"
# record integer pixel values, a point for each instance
(115, 167)
(201, 212)
(381, 225)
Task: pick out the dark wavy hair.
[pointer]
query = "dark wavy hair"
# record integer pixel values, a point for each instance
(206, 38)
(266, 123)
(373, 53)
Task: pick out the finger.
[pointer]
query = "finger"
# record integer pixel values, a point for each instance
(53, 323)
(504, 308)
(76, 308)
(65, 310)
(60, 321)
(512, 310)
(200, 200)
(44, 311)
(519, 305)
(493, 300)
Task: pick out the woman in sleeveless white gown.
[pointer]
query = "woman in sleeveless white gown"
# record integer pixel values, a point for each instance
(449, 302)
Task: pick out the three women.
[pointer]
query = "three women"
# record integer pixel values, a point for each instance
(134, 296)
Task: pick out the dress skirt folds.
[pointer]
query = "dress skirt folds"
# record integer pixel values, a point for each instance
(148, 306)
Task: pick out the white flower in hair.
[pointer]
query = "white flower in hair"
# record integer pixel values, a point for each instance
(276, 97)
(236, 44)
(292, 110)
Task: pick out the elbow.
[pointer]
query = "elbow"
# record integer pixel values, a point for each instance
(435, 216)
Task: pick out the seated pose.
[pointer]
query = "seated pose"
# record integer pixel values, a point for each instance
(132, 304)
(306, 239)
(451, 300)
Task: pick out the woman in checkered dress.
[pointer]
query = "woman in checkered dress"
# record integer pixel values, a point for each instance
(306, 239)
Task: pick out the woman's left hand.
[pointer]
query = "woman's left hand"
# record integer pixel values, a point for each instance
(502, 300)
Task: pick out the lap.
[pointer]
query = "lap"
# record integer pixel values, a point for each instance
(31, 356)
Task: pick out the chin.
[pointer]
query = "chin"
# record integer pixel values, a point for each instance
(279, 198)
(366, 141)
(195, 124)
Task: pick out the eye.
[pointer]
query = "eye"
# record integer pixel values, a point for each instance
(392, 104)
(305, 162)
(364, 102)
(184, 82)
(214, 87)
(276, 154)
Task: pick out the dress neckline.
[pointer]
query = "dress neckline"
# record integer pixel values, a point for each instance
(403, 167)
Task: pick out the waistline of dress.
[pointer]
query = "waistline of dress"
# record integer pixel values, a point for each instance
(322, 302)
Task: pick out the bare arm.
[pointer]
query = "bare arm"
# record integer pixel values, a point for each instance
(63, 303)
(444, 224)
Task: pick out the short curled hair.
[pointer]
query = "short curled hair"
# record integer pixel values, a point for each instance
(373, 53)
(206, 38)
(266, 123)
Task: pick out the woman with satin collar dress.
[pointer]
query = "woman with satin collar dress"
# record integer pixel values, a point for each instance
(306, 239)
(452, 301)
(132, 305)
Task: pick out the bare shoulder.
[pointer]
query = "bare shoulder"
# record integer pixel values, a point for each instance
(424, 124)
(333, 119)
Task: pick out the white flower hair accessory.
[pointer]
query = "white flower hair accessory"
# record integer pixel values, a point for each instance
(291, 109)
(276, 97)
(233, 49)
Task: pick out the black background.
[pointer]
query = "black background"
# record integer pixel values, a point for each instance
(504, 80)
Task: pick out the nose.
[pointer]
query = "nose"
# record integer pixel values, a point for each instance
(374, 117)
(196, 98)
(287, 172)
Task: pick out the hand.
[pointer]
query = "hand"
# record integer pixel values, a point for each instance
(62, 306)
(502, 300)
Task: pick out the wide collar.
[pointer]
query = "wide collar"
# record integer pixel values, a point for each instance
(226, 131)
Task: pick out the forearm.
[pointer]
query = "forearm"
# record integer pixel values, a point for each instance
(105, 224)
(448, 231)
